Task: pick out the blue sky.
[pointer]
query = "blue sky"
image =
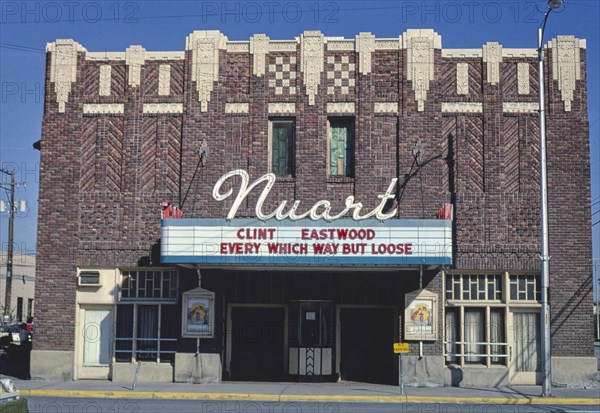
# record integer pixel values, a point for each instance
(26, 27)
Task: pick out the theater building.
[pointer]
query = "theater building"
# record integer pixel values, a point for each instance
(270, 210)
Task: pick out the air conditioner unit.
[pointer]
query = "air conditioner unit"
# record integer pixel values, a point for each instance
(89, 279)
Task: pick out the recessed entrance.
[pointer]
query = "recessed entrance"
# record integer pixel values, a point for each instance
(257, 343)
(367, 337)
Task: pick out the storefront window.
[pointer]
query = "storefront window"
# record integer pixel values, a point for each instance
(146, 316)
(476, 310)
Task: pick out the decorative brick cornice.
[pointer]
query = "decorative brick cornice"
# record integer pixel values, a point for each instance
(340, 107)
(105, 56)
(282, 107)
(205, 46)
(523, 78)
(520, 107)
(242, 107)
(166, 108)
(63, 68)
(461, 53)
(135, 57)
(386, 107)
(388, 44)
(312, 52)
(164, 80)
(492, 56)
(105, 80)
(365, 46)
(420, 45)
(238, 47)
(341, 45)
(259, 48)
(566, 67)
(103, 109)
(462, 107)
(462, 78)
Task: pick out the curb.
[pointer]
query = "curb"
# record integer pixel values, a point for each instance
(305, 397)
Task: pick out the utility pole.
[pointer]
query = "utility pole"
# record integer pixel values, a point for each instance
(11, 236)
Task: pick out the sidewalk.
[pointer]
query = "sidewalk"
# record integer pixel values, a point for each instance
(307, 392)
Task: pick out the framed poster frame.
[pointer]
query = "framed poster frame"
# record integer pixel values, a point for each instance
(421, 316)
(198, 314)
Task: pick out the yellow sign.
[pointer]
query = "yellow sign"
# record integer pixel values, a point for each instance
(401, 348)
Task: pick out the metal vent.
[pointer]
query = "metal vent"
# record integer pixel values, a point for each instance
(89, 278)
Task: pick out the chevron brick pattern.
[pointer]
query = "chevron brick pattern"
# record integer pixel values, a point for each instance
(173, 154)
(447, 75)
(117, 84)
(510, 84)
(89, 132)
(147, 155)
(448, 146)
(114, 153)
(511, 155)
(469, 157)
(150, 72)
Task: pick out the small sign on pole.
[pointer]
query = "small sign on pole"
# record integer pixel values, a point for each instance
(401, 348)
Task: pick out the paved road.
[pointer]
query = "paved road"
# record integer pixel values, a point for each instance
(79, 405)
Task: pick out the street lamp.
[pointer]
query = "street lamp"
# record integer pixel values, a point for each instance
(544, 256)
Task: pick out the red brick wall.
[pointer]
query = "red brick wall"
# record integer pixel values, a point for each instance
(103, 177)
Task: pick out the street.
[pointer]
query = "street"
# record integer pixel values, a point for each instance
(85, 405)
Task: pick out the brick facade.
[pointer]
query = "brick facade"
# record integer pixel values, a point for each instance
(103, 175)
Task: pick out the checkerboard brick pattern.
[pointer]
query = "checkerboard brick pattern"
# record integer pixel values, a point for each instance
(341, 78)
(282, 75)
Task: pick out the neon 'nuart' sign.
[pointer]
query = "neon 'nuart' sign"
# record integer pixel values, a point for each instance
(320, 210)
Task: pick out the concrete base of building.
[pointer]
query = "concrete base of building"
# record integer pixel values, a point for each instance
(573, 370)
(204, 368)
(148, 373)
(427, 371)
(456, 376)
(53, 365)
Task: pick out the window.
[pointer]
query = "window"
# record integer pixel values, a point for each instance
(150, 285)
(475, 315)
(474, 287)
(340, 160)
(282, 146)
(147, 316)
(29, 309)
(20, 309)
(525, 287)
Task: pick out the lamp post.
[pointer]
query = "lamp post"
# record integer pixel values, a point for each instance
(10, 251)
(544, 256)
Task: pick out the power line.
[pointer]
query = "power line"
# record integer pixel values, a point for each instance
(593, 3)
(20, 48)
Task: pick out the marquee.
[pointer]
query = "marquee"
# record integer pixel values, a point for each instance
(306, 242)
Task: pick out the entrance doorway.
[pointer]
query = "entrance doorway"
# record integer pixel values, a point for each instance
(525, 365)
(366, 339)
(94, 342)
(256, 341)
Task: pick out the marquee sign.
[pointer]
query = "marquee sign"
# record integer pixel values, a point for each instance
(306, 242)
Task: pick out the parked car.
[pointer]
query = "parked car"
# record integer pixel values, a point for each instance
(10, 400)
(20, 332)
